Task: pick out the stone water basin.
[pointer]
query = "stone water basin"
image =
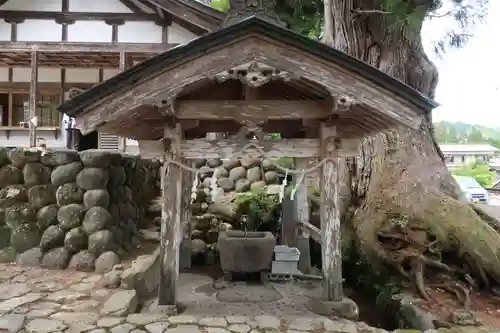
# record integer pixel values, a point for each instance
(245, 252)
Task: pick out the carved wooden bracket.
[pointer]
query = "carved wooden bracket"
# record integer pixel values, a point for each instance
(250, 132)
(342, 103)
(253, 74)
(115, 22)
(166, 102)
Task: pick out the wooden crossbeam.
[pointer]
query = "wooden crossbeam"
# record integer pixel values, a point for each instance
(85, 47)
(234, 148)
(248, 109)
(74, 16)
(201, 148)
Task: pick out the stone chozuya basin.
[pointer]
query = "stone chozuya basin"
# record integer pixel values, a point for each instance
(248, 252)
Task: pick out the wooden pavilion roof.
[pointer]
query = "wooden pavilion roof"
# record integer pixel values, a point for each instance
(143, 94)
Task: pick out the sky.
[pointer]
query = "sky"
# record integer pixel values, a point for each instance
(469, 77)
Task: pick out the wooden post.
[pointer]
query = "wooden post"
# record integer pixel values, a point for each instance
(185, 247)
(171, 218)
(123, 66)
(331, 254)
(33, 97)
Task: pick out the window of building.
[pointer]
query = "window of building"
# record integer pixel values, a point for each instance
(46, 111)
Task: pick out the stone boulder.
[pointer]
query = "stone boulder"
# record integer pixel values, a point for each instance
(12, 194)
(75, 240)
(32, 257)
(96, 198)
(25, 237)
(59, 157)
(42, 195)
(36, 174)
(10, 175)
(4, 236)
(82, 261)
(20, 156)
(47, 216)
(93, 178)
(57, 258)
(19, 214)
(70, 216)
(117, 176)
(52, 237)
(106, 261)
(96, 218)
(69, 193)
(94, 158)
(65, 173)
(101, 241)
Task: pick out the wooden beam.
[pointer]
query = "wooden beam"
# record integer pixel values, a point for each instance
(251, 109)
(234, 148)
(132, 6)
(85, 47)
(201, 148)
(331, 252)
(74, 16)
(171, 224)
(200, 16)
(33, 98)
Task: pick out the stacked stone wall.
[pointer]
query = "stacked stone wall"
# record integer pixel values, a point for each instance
(80, 210)
(236, 175)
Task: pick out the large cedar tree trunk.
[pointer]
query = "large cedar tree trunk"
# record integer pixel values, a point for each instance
(403, 205)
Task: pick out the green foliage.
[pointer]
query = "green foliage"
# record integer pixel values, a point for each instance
(479, 171)
(257, 205)
(400, 17)
(221, 5)
(379, 284)
(449, 132)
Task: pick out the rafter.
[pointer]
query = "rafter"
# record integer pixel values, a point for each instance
(161, 12)
(191, 14)
(132, 6)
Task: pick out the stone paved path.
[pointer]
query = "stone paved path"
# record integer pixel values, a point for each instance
(34, 300)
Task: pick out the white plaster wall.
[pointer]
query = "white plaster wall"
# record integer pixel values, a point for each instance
(109, 72)
(139, 32)
(178, 34)
(4, 31)
(37, 5)
(21, 139)
(4, 74)
(39, 31)
(89, 31)
(82, 75)
(101, 6)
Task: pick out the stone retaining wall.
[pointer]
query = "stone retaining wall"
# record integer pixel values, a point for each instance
(237, 175)
(69, 209)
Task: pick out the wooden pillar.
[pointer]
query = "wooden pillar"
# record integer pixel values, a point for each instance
(33, 97)
(330, 217)
(171, 186)
(123, 66)
(185, 246)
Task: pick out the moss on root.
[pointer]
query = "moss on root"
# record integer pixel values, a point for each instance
(430, 238)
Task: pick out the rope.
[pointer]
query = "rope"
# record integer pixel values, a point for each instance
(279, 167)
(213, 185)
